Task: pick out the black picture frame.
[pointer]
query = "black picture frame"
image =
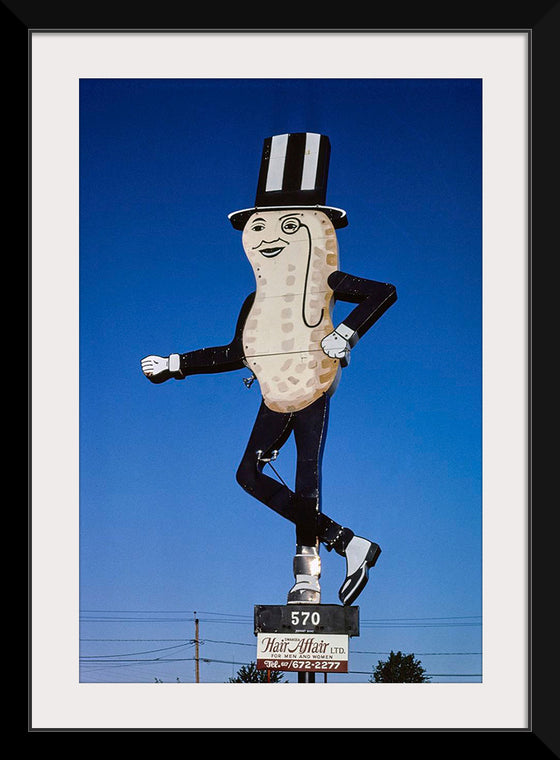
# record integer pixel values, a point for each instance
(540, 21)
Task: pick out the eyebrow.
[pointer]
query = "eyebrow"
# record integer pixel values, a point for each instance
(258, 219)
(294, 213)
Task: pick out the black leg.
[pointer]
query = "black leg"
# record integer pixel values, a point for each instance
(310, 431)
(270, 432)
(303, 505)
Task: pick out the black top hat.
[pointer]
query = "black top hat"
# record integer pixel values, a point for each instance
(293, 174)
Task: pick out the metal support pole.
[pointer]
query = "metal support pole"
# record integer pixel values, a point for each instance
(196, 660)
(306, 677)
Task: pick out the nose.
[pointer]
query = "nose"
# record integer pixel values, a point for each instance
(268, 242)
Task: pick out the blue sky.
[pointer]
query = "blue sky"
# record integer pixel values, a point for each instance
(165, 531)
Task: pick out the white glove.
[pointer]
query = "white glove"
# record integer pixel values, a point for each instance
(154, 365)
(337, 344)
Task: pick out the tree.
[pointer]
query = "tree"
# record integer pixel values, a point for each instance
(250, 674)
(399, 668)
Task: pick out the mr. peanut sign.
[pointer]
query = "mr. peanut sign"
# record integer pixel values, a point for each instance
(286, 337)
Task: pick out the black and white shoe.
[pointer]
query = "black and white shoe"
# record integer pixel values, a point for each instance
(360, 554)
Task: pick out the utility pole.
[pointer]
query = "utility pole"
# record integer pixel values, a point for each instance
(196, 660)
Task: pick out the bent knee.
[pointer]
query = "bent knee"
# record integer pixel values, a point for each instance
(247, 475)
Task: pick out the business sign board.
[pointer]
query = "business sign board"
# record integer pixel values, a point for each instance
(307, 618)
(302, 652)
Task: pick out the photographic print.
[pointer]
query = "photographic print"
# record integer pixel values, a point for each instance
(285, 290)
(164, 524)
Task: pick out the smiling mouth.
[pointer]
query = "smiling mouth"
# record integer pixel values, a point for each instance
(270, 252)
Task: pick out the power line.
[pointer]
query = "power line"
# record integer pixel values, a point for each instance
(420, 625)
(148, 651)
(364, 624)
(250, 617)
(454, 617)
(422, 654)
(158, 620)
(87, 659)
(163, 612)
(202, 641)
(428, 675)
(454, 675)
(380, 623)
(245, 644)
(160, 640)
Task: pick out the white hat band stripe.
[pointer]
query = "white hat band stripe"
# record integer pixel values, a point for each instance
(275, 175)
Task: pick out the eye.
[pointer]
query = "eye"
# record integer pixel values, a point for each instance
(257, 227)
(291, 225)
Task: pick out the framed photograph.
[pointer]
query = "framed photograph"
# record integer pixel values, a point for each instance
(147, 558)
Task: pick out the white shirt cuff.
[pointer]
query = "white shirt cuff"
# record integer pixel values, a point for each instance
(174, 363)
(347, 333)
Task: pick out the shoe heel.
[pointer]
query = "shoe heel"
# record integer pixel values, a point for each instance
(373, 555)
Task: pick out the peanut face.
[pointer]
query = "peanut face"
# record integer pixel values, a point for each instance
(292, 253)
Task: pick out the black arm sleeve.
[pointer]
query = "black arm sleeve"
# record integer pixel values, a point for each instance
(219, 358)
(372, 299)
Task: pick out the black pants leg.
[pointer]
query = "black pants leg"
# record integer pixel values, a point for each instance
(270, 432)
(303, 505)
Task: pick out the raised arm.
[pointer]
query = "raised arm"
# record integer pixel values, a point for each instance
(225, 358)
(372, 298)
